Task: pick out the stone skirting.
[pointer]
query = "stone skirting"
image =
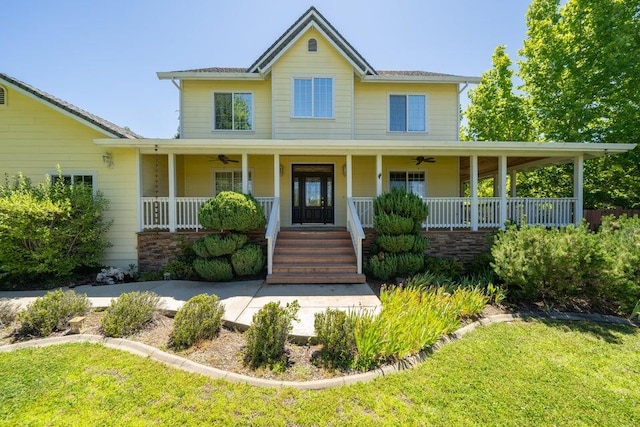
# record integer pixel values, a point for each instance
(464, 245)
(157, 248)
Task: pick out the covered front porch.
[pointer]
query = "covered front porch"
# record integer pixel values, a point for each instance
(329, 182)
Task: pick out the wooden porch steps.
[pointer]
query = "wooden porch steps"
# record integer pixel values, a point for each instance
(314, 256)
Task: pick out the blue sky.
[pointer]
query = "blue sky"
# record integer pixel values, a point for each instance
(103, 56)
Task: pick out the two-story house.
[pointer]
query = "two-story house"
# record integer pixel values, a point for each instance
(315, 133)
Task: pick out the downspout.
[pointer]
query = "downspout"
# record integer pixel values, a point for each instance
(466, 84)
(173, 80)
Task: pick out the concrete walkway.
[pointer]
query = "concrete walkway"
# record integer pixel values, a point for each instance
(241, 299)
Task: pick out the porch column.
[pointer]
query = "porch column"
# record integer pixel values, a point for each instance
(276, 175)
(349, 177)
(245, 173)
(578, 178)
(473, 187)
(513, 183)
(502, 185)
(139, 187)
(378, 174)
(172, 192)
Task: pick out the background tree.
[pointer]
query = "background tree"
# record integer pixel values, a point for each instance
(581, 74)
(495, 112)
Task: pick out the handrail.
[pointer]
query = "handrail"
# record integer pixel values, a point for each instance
(355, 229)
(272, 232)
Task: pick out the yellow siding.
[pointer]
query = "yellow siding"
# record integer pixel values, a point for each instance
(34, 139)
(197, 108)
(371, 106)
(326, 62)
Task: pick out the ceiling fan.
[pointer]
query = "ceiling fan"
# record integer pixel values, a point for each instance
(423, 159)
(224, 159)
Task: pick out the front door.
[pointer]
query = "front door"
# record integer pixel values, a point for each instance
(312, 194)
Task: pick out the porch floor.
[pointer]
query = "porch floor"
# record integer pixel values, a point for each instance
(241, 299)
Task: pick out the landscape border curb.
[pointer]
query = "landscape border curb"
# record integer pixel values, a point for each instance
(145, 350)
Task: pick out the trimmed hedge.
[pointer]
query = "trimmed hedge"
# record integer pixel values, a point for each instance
(248, 260)
(214, 270)
(232, 211)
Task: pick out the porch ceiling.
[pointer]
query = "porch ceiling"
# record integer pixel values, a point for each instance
(488, 166)
(369, 147)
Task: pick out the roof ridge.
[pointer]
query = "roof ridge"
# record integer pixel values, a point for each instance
(77, 111)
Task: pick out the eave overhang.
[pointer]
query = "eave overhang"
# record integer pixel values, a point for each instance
(420, 79)
(323, 147)
(196, 75)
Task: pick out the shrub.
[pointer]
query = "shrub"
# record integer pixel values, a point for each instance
(409, 263)
(334, 330)
(393, 224)
(395, 244)
(38, 224)
(551, 265)
(130, 313)
(200, 248)
(248, 261)
(199, 318)
(179, 270)
(232, 211)
(450, 267)
(52, 312)
(401, 203)
(383, 266)
(268, 334)
(213, 270)
(8, 312)
(420, 244)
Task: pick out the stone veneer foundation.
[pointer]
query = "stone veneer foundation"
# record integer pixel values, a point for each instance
(158, 248)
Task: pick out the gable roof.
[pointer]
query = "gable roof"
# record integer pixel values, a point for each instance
(70, 110)
(311, 18)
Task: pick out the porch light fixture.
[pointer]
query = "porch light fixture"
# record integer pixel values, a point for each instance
(281, 170)
(107, 159)
(344, 169)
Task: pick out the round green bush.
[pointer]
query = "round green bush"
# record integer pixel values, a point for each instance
(213, 270)
(383, 266)
(199, 318)
(393, 224)
(200, 248)
(401, 203)
(130, 313)
(232, 211)
(248, 261)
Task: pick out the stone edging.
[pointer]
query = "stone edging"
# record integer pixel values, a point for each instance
(172, 360)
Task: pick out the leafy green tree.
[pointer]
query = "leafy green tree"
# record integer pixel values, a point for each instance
(495, 112)
(582, 75)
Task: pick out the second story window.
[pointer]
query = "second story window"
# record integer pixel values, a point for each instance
(407, 113)
(313, 97)
(232, 111)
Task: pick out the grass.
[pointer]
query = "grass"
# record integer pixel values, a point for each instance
(535, 373)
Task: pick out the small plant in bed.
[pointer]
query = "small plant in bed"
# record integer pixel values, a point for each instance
(52, 312)
(199, 318)
(130, 313)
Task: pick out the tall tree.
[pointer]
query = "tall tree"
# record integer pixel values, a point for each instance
(582, 74)
(495, 112)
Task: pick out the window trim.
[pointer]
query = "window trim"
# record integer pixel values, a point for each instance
(406, 178)
(293, 97)
(4, 97)
(233, 170)
(407, 94)
(53, 174)
(232, 92)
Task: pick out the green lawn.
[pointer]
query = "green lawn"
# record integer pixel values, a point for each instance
(506, 374)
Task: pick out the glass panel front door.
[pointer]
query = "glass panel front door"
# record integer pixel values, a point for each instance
(312, 194)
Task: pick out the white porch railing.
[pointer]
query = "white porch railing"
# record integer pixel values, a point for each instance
(354, 227)
(186, 212)
(273, 227)
(455, 212)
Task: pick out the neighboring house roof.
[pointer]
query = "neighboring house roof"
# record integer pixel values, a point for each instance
(312, 17)
(71, 110)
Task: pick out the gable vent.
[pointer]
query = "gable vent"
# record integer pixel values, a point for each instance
(3, 96)
(312, 45)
